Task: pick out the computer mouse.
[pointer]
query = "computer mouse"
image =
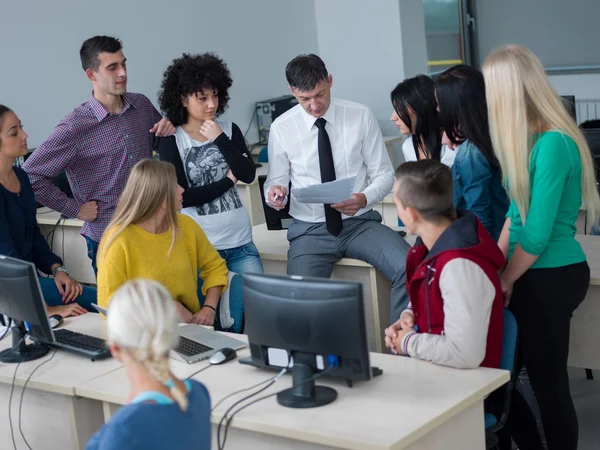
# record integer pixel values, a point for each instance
(222, 356)
(55, 320)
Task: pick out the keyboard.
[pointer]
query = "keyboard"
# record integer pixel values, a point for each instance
(187, 347)
(81, 344)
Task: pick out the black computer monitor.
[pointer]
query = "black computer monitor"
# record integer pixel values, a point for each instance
(276, 220)
(314, 323)
(21, 299)
(569, 102)
(592, 136)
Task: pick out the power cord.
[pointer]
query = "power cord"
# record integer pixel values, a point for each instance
(276, 377)
(254, 115)
(269, 382)
(12, 389)
(23, 393)
(199, 371)
(224, 419)
(230, 419)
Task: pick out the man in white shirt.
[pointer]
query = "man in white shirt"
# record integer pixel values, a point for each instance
(323, 139)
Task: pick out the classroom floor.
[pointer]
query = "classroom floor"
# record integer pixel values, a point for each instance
(586, 396)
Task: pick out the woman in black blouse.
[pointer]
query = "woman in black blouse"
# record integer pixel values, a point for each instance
(20, 236)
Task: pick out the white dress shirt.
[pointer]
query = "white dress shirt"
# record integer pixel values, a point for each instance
(408, 149)
(357, 148)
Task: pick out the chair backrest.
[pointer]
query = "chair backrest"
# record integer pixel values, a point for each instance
(275, 220)
(509, 342)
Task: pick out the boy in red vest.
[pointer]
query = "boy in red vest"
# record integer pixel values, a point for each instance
(455, 314)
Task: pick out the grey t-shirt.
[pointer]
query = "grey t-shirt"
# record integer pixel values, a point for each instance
(224, 220)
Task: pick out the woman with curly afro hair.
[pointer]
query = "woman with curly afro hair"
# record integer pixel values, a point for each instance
(210, 156)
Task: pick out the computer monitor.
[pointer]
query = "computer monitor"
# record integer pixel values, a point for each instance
(275, 220)
(569, 101)
(592, 136)
(313, 323)
(21, 299)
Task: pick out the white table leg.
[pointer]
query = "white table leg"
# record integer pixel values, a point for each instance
(252, 201)
(49, 421)
(109, 410)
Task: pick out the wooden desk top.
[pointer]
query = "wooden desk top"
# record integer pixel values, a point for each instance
(66, 370)
(409, 400)
(47, 216)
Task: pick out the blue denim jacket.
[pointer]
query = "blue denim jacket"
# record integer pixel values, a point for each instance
(478, 189)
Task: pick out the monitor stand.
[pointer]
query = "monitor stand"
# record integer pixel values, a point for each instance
(304, 393)
(20, 351)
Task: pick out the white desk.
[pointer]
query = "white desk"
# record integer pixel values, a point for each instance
(68, 244)
(273, 247)
(413, 405)
(250, 197)
(585, 325)
(389, 141)
(53, 418)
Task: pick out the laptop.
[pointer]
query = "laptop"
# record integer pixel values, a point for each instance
(197, 343)
(276, 220)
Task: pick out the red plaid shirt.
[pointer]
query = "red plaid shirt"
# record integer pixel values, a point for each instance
(96, 150)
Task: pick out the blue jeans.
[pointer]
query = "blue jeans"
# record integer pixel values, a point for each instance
(244, 259)
(92, 247)
(53, 298)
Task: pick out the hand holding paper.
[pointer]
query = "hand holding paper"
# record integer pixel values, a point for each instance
(326, 193)
(351, 206)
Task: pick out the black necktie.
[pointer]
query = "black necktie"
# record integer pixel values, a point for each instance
(333, 218)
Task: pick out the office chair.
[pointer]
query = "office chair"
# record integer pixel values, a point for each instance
(508, 361)
(232, 296)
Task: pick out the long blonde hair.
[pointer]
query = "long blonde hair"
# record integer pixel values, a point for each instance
(149, 184)
(521, 101)
(142, 320)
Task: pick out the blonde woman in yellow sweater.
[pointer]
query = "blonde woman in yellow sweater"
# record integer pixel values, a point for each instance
(147, 238)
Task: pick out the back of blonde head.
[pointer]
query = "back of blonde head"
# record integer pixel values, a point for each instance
(149, 184)
(521, 101)
(142, 320)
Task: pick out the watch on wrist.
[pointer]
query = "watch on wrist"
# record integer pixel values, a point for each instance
(60, 269)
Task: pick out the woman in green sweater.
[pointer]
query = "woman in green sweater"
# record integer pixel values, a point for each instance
(548, 170)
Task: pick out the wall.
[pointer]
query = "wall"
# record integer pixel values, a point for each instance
(561, 33)
(583, 87)
(369, 47)
(41, 75)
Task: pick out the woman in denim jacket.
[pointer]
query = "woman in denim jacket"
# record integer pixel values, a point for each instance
(476, 172)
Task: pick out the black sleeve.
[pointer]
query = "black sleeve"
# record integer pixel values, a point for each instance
(236, 154)
(192, 196)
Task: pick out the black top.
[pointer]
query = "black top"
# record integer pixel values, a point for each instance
(234, 151)
(20, 236)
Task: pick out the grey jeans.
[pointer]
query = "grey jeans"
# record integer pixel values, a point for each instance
(313, 252)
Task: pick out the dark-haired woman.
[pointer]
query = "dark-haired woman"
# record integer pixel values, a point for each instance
(460, 93)
(415, 115)
(210, 157)
(20, 235)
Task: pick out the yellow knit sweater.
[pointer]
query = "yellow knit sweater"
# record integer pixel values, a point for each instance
(136, 253)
